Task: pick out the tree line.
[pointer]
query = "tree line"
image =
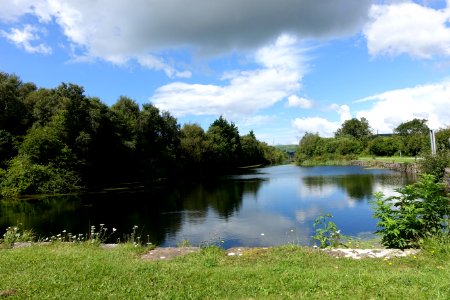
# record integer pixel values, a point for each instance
(355, 137)
(58, 140)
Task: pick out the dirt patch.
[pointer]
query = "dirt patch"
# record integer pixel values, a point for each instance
(166, 253)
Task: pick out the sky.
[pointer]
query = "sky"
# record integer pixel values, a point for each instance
(280, 68)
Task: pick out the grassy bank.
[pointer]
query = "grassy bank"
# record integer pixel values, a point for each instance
(83, 271)
(390, 159)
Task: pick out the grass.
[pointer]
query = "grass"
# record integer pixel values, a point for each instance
(395, 159)
(84, 271)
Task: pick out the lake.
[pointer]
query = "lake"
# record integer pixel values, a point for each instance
(260, 207)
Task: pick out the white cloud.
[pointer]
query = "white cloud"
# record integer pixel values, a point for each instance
(155, 63)
(343, 111)
(25, 38)
(391, 108)
(318, 125)
(243, 92)
(322, 126)
(295, 101)
(406, 27)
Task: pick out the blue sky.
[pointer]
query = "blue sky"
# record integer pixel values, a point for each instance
(279, 68)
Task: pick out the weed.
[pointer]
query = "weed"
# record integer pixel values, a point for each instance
(326, 232)
(16, 234)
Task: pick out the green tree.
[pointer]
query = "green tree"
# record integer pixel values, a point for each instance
(126, 118)
(414, 135)
(13, 113)
(359, 129)
(443, 139)
(252, 150)
(158, 142)
(384, 146)
(194, 146)
(308, 147)
(225, 143)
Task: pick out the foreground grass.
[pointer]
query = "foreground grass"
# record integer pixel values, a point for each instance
(87, 272)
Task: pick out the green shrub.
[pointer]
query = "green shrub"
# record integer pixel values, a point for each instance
(24, 178)
(421, 210)
(435, 164)
(326, 232)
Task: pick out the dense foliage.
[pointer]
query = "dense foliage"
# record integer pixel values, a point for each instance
(354, 138)
(56, 140)
(420, 211)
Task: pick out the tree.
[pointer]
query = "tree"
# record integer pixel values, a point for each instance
(414, 135)
(225, 143)
(252, 150)
(158, 142)
(359, 129)
(13, 113)
(308, 147)
(125, 115)
(443, 139)
(194, 146)
(384, 146)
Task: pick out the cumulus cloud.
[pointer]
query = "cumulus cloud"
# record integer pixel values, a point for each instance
(295, 101)
(391, 108)
(26, 38)
(318, 125)
(322, 126)
(282, 66)
(405, 27)
(155, 63)
(116, 30)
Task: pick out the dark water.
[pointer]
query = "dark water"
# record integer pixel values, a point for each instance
(268, 206)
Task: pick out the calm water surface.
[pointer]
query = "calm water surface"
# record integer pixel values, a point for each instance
(268, 206)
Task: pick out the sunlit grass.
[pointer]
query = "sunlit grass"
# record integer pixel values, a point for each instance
(395, 159)
(85, 271)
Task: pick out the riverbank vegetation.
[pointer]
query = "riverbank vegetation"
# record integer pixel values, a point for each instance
(59, 140)
(409, 143)
(84, 271)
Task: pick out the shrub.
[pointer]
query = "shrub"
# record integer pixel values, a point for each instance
(435, 164)
(326, 232)
(24, 177)
(421, 210)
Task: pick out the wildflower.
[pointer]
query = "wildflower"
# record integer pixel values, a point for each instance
(135, 227)
(64, 231)
(262, 234)
(102, 225)
(292, 230)
(114, 230)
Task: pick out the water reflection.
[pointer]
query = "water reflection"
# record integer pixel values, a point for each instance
(279, 202)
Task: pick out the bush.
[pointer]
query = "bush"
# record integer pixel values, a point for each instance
(421, 210)
(24, 177)
(435, 164)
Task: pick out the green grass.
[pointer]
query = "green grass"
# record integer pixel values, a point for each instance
(396, 159)
(82, 271)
